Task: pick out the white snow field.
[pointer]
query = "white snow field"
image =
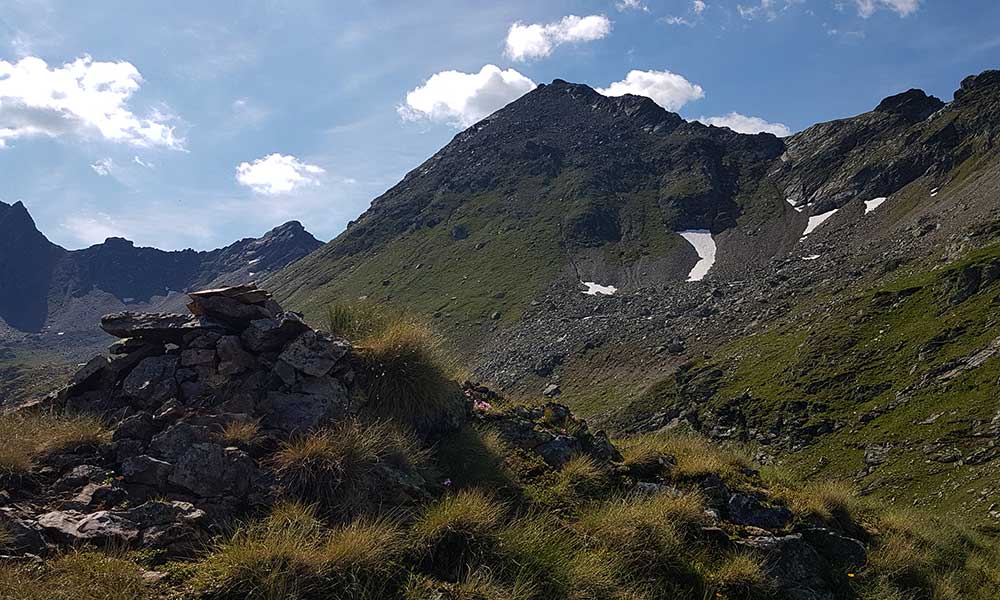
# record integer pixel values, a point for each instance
(816, 221)
(874, 203)
(797, 208)
(811, 257)
(704, 245)
(594, 289)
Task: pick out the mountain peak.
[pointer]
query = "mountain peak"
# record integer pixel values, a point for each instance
(985, 82)
(913, 104)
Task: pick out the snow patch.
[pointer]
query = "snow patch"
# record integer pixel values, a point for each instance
(594, 289)
(797, 208)
(704, 245)
(254, 261)
(874, 203)
(934, 192)
(811, 257)
(816, 221)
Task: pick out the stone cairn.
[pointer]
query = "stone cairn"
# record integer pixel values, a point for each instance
(169, 388)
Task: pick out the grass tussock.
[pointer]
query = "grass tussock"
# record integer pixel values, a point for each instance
(334, 467)
(240, 433)
(479, 585)
(829, 501)
(28, 435)
(917, 555)
(470, 457)
(741, 576)
(78, 575)
(579, 480)
(358, 320)
(458, 531)
(291, 554)
(406, 378)
(694, 455)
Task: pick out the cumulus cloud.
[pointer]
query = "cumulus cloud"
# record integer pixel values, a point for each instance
(744, 124)
(768, 9)
(461, 99)
(623, 5)
(669, 90)
(277, 174)
(84, 97)
(904, 8)
(674, 20)
(525, 42)
(103, 167)
(698, 6)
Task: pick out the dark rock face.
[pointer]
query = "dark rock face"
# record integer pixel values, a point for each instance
(27, 261)
(915, 105)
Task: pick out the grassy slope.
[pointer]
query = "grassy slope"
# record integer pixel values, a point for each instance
(860, 355)
(516, 247)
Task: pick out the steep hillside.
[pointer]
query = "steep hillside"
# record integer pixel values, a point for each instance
(564, 185)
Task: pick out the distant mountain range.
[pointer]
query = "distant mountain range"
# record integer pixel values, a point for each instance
(52, 298)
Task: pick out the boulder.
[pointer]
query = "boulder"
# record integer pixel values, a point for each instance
(209, 470)
(154, 525)
(230, 310)
(139, 426)
(272, 334)
(151, 382)
(146, 470)
(233, 359)
(844, 553)
(799, 571)
(293, 412)
(156, 326)
(744, 509)
(176, 440)
(314, 353)
(79, 477)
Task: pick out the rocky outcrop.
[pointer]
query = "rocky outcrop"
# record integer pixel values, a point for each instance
(169, 389)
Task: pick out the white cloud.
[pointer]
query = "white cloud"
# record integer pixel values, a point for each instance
(85, 97)
(698, 6)
(525, 42)
(92, 229)
(623, 5)
(677, 21)
(669, 90)
(904, 8)
(461, 99)
(277, 174)
(103, 167)
(769, 9)
(142, 163)
(744, 124)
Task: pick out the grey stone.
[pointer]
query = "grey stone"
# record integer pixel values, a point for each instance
(227, 309)
(146, 470)
(840, 551)
(156, 326)
(197, 356)
(551, 390)
(176, 440)
(209, 470)
(233, 359)
(272, 334)
(744, 509)
(297, 412)
(151, 382)
(79, 477)
(137, 427)
(314, 353)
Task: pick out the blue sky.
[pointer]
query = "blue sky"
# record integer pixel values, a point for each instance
(193, 124)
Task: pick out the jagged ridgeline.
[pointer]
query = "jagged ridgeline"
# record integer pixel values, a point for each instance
(236, 452)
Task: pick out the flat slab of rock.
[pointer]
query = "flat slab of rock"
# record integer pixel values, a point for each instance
(156, 326)
(246, 294)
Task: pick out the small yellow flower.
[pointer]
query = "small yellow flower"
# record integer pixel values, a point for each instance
(850, 574)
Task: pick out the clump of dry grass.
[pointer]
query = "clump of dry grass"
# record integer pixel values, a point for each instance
(78, 575)
(458, 531)
(694, 455)
(28, 435)
(240, 433)
(291, 555)
(741, 576)
(828, 501)
(479, 585)
(333, 467)
(404, 376)
(580, 479)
